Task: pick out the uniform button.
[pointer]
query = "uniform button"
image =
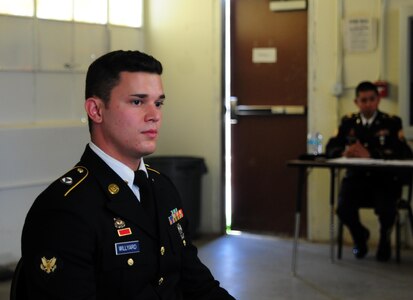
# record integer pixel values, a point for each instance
(130, 262)
(162, 250)
(160, 281)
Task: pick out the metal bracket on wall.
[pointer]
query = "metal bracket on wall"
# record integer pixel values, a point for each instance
(263, 110)
(287, 5)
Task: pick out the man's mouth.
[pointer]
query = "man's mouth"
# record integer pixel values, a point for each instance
(153, 133)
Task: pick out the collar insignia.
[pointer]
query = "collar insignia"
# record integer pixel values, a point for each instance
(113, 188)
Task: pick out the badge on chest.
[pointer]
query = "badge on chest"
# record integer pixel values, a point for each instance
(175, 216)
(127, 247)
(120, 226)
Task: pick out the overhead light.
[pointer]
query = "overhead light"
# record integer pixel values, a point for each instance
(284, 5)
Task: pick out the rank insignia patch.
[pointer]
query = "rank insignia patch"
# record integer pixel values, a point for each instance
(48, 265)
(175, 216)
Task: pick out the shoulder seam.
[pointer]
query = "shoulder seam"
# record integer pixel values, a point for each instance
(153, 170)
(77, 183)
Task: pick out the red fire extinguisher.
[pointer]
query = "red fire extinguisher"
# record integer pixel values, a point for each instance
(382, 87)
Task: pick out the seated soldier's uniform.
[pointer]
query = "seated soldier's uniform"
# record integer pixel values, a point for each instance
(383, 139)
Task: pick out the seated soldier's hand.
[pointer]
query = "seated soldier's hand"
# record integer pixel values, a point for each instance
(356, 150)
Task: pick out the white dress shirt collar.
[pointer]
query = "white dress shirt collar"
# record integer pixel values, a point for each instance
(124, 172)
(366, 121)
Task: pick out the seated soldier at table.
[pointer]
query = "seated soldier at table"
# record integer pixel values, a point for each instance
(369, 133)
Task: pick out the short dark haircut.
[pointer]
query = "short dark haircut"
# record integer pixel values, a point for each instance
(104, 73)
(366, 86)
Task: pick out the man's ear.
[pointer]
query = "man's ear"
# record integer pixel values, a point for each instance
(93, 107)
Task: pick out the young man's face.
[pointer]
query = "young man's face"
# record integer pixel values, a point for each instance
(368, 103)
(132, 118)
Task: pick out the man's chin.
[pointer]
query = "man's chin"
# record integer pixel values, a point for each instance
(148, 151)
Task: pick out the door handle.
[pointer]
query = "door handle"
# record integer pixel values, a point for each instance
(263, 110)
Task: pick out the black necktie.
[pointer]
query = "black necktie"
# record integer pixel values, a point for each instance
(142, 181)
(146, 197)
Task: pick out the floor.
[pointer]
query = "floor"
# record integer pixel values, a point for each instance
(259, 267)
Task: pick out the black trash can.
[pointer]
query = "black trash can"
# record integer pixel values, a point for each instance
(186, 173)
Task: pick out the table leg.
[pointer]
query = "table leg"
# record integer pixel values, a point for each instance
(332, 196)
(296, 233)
(301, 175)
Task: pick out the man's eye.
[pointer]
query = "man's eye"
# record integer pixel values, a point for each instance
(159, 103)
(137, 102)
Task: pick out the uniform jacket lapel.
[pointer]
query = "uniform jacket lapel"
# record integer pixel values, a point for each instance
(158, 195)
(164, 206)
(121, 200)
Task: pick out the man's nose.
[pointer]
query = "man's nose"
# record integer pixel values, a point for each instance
(152, 113)
(370, 104)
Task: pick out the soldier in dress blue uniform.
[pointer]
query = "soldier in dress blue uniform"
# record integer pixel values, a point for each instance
(369, 133)
(111, 227)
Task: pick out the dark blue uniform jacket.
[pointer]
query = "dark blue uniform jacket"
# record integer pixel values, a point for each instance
(87, 237)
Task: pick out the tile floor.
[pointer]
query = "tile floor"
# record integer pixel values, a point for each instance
(259, 267)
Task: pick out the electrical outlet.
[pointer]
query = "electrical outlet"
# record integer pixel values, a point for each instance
(337, 89)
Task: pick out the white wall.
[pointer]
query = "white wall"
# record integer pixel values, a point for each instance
(326, 69)
(42, 121)
(185, 36)
(31, 157)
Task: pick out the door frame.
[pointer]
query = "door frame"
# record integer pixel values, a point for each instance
(226, 186)
(226, 123)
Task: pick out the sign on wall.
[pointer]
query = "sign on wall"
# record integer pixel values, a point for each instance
(360, 34)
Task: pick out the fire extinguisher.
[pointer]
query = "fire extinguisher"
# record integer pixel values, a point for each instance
(382, 87)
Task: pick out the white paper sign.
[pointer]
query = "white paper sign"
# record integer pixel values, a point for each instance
(264, 55)
(360, 34)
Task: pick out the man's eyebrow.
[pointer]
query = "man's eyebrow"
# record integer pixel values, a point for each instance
(146, 96)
